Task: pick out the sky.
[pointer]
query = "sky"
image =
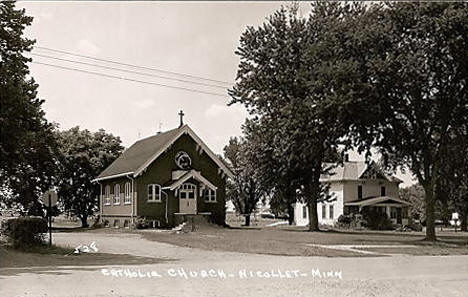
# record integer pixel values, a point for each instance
(191, 38)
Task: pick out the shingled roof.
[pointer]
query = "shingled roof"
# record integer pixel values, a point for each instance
(350, 171)
(143, 152)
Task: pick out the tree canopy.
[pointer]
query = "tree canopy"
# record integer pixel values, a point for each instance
(27, 142)
(291, 77)
(419, 69)
(84, 155)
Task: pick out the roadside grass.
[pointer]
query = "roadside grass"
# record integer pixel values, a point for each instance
(58, 260)
(43, 249)
(297, 241)
(426, 250)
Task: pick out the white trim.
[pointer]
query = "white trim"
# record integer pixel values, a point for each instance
(205, 191)
(185, 130)
(153, 188)
(116, 195)
(127, 194)
(376, 200)
(187, 176)
(107, 196)
(112, 176)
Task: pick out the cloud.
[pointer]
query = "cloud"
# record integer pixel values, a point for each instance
(86, 46)
(234, 111)
(146, 103)
(216, 110)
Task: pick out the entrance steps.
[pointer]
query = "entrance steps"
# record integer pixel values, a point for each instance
(192, 222)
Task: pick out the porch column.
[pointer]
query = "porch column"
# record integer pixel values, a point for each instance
(387, 211)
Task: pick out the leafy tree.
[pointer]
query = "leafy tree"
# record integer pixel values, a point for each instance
(270, 170)
(244, 190)
(454, 180)
(418, 68)
(27, 143)
(293, 76)
(84, 155)
(414, 194)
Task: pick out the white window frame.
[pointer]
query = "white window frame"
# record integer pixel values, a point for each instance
(128, 193)
(107, 200)
(116, 194)
(152, 198)
(210, 195)
(187, 188)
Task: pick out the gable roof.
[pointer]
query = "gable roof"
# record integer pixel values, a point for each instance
(188, 175)
(142, 153)
(376, 200)
(353, 170)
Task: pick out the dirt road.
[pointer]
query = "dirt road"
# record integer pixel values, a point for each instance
(194, 272)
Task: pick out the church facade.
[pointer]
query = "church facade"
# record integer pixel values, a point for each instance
(162, 180)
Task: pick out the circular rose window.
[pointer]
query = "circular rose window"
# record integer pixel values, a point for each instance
(183, 160)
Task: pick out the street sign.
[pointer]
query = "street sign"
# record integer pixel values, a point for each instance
(51, 197)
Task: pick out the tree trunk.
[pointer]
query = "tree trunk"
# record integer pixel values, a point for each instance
(290, 214)
(247, 220)
(430, 212)
(312, 192)
(84, 221)
(313, 218)
(464, 220)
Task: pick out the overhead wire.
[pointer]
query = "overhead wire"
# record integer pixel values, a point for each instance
(133, 65)
(128, 71)
(127, 79)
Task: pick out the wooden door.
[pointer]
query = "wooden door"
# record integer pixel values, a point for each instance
(188, 198)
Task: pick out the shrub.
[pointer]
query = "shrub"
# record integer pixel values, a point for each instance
(345, 219)
(350, 221)
(25, 231)
(377, 220)
(142, 223)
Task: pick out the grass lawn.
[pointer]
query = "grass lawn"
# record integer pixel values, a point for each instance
(57, 260)
(296, 241)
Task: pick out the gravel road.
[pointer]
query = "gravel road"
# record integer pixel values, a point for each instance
(194, 272)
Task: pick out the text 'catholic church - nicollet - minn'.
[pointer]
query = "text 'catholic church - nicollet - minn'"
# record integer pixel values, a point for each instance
(164, 179)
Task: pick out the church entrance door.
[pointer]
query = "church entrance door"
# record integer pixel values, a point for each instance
(188, 198)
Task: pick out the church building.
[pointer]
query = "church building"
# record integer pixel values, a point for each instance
(164, 179)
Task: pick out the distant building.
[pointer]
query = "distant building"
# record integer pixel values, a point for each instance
(357, 185)
(164, 179)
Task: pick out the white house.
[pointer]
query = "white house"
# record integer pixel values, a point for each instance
(357, 185)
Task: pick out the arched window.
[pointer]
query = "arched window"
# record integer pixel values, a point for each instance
(154, 193)
(107, 195)
(128, 193)
(117, 194)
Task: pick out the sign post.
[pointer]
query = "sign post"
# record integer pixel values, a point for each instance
(455, 219)
(49, 199)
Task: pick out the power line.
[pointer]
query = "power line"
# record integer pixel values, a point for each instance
(128, 71)
(128, 79)
(131, 65)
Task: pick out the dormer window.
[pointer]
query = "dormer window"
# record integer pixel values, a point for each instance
(383, 191)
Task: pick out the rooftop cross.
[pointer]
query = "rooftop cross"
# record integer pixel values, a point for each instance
(181, 114)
